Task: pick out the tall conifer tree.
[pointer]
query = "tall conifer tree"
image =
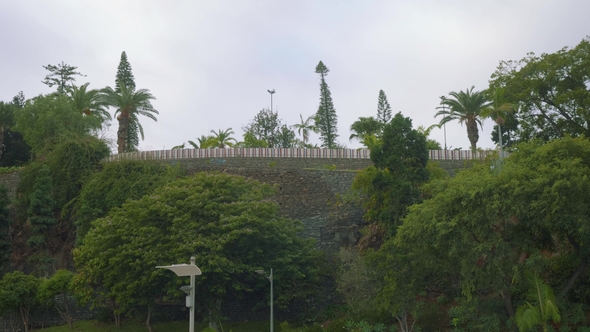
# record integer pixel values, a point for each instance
(326, 119)
(125, 76)
(383, 109)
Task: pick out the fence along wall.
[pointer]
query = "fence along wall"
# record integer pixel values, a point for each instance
(285, 153)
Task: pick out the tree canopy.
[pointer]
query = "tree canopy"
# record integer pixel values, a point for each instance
(326, 118)
(226, 221)
(551, 90)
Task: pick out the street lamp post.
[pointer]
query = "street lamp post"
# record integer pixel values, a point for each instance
(271, 93)
(269, 277)
(183, 270)
(442, 100)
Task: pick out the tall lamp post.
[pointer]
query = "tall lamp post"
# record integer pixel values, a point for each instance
(269, 277)
(272, 92)
(442, 101)
(183, 270)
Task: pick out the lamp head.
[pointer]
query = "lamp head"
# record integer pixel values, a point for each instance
(260, 271)
(186, 289)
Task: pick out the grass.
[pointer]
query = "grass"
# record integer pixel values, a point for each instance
(136, 326)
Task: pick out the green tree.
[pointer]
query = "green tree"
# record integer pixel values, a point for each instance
(551, 90)
(5, 222)
(326, 119)
(205, 142)
(55, 292)
(364, 128)
(542, 308)
(226, 221)
(62, 75)
(465, 107)
(392, 185)
(250, 141)
(6, 120)
(41, 207)
(222, 138)
(306, 127)
(88, 102)
(113, 185)
(125, 77)
(18, 292)
(383, 109)
(266, 126)
(129, 104)
(47, 120)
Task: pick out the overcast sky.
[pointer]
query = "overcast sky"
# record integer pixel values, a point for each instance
(210, 63)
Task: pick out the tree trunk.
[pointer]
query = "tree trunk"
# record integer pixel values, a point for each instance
(24, 315)
(122, 132)
(508, 303)
(570, 283)
(472, 133)
(148, 322)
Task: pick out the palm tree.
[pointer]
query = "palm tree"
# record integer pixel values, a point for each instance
(364, 128)
(466, 107)
(129, 104)
(88, 102)
(497, 111)
(222, 138)
(305, 127)
(540, 309)
(205, 142)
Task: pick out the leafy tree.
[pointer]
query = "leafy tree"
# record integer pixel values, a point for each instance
(250, 141)
(40, 210)
(383, 109)
(544, 308)
(5, 222)
(18, 101)
(16, 151)
(226, 221)
(115, 184)
(62, 75)
(363, 128)
(222, 138)
(392, 185)
(6, 120)
(551, 90)
(87, 102)
(204, 142)
(465, 107)
(125, 77)
(266, 126)
(47, 120)
(129, 104)
(326, 119)
(430, 143)
(18, 292)
(55, 292)
(306, 127)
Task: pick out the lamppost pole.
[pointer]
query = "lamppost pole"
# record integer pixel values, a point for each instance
(187, 270)
(270, 278)
(442, 101)
(271, 93)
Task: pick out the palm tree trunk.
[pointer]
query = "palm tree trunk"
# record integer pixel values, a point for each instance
(122, 132)
(472, 133)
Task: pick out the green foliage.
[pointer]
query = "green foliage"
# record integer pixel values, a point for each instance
(357, 282)
(125, 77)
(61, 75)
(383, 109)
(551, 91)
(366, 127)
(47, 120)
(87, 102)
(16, 151)
(267, 127)
(53, 292)
(390, 187)
(326, 118)
(41, 207)
(221, 139)
(466, 107)
(5, 222)
(540, 309)
(129, 105)
(18, 292)
(226, 221)
(305, 127)
(116, 183)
